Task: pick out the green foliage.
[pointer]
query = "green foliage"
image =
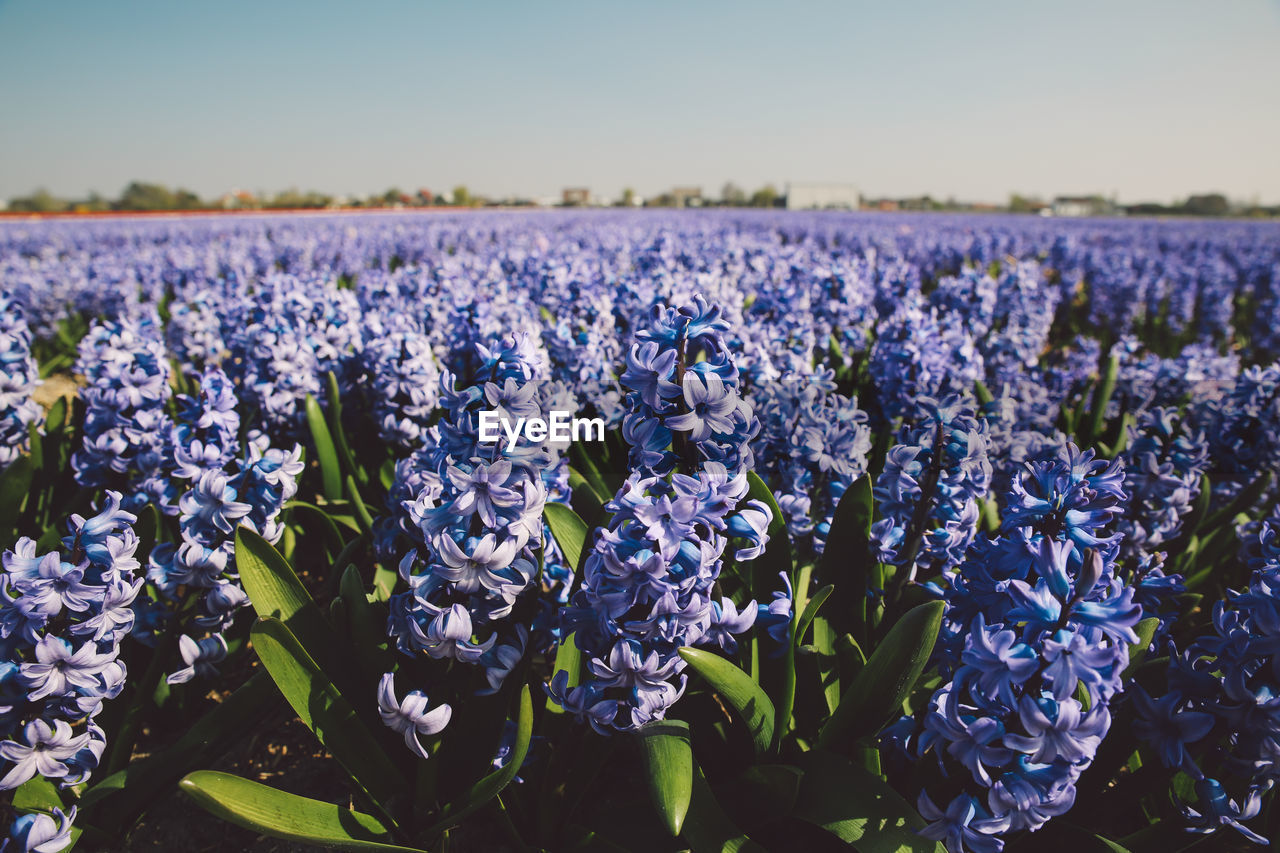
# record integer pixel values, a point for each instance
(881, 687)
(752, 705)
(324, 710)
(668, 760)
(282, 815)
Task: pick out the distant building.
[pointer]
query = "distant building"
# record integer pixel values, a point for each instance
(1069, 205)
(822, 196)
(687, 196)
(575, 197)
(237, 199)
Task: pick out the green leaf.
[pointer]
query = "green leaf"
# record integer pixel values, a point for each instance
(568, 659)
(368, 632)
(751, 703)
(326, 453)
(858, 808)
(668, 763)
(590, 472)
(362, 514)
(1092, 429)
(56, 419)
(275, 590)
(983, 394)
(824, 642)
(15, 485)
(273, 812)
(1146, 629)
(585, 497)
(708, 828)
(777, 554)
(38, 794)
(883, 684)
(490, 786)
(115, 802)
(569, 530)
(323, 710)
(1243, 502)
(384, 582)
(334, 397)
(761, 794)
(333, 537)
(846, 557)
(811, 612)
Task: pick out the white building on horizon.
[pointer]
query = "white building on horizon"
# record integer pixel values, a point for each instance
(822, 196)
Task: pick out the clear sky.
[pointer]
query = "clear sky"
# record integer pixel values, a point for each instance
(1146, 99)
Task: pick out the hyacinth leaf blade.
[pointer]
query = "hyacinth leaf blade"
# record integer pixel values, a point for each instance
(824, 646)
(326, 453)
(585, 495)
(786, 692)
(1091, 429)
(493, 784)
(339, 433)
(39, 794)
(764, 571)
(777, 554)
(591, 473)
(35, 450)
(708, 827)
(275, 590)
(668, 761)
(15, 486)
(761, 794)
(332, 537)
(569, 530)
(568, 659)
(367, 630)
(1146, 630)
(1243, 502)
(811, 608)
(1120, 436)
(752, 704)
(115, 802)
(846, 558)
(280, 814)
(147, 527)
(880, 687)
(858, 807)
(323, 710)
(361, 512)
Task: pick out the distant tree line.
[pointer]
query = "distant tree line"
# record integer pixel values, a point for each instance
(1205, 204)
(143, 196)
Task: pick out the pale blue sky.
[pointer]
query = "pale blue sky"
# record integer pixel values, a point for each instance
(1149, 99)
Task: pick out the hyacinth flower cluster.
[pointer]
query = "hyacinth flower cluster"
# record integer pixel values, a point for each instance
(929, 489)
(404, 380)
(813, 444)
(1219, 721)
(213, 487)
(1243, 430)
(921, 353)
(18, 379)
(648, 582)
(1034, 642)
(126, 425)
(62, 618)
(294, 331)
(473, 510)
(1165, 460)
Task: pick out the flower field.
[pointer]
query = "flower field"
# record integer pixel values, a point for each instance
(898, 533)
